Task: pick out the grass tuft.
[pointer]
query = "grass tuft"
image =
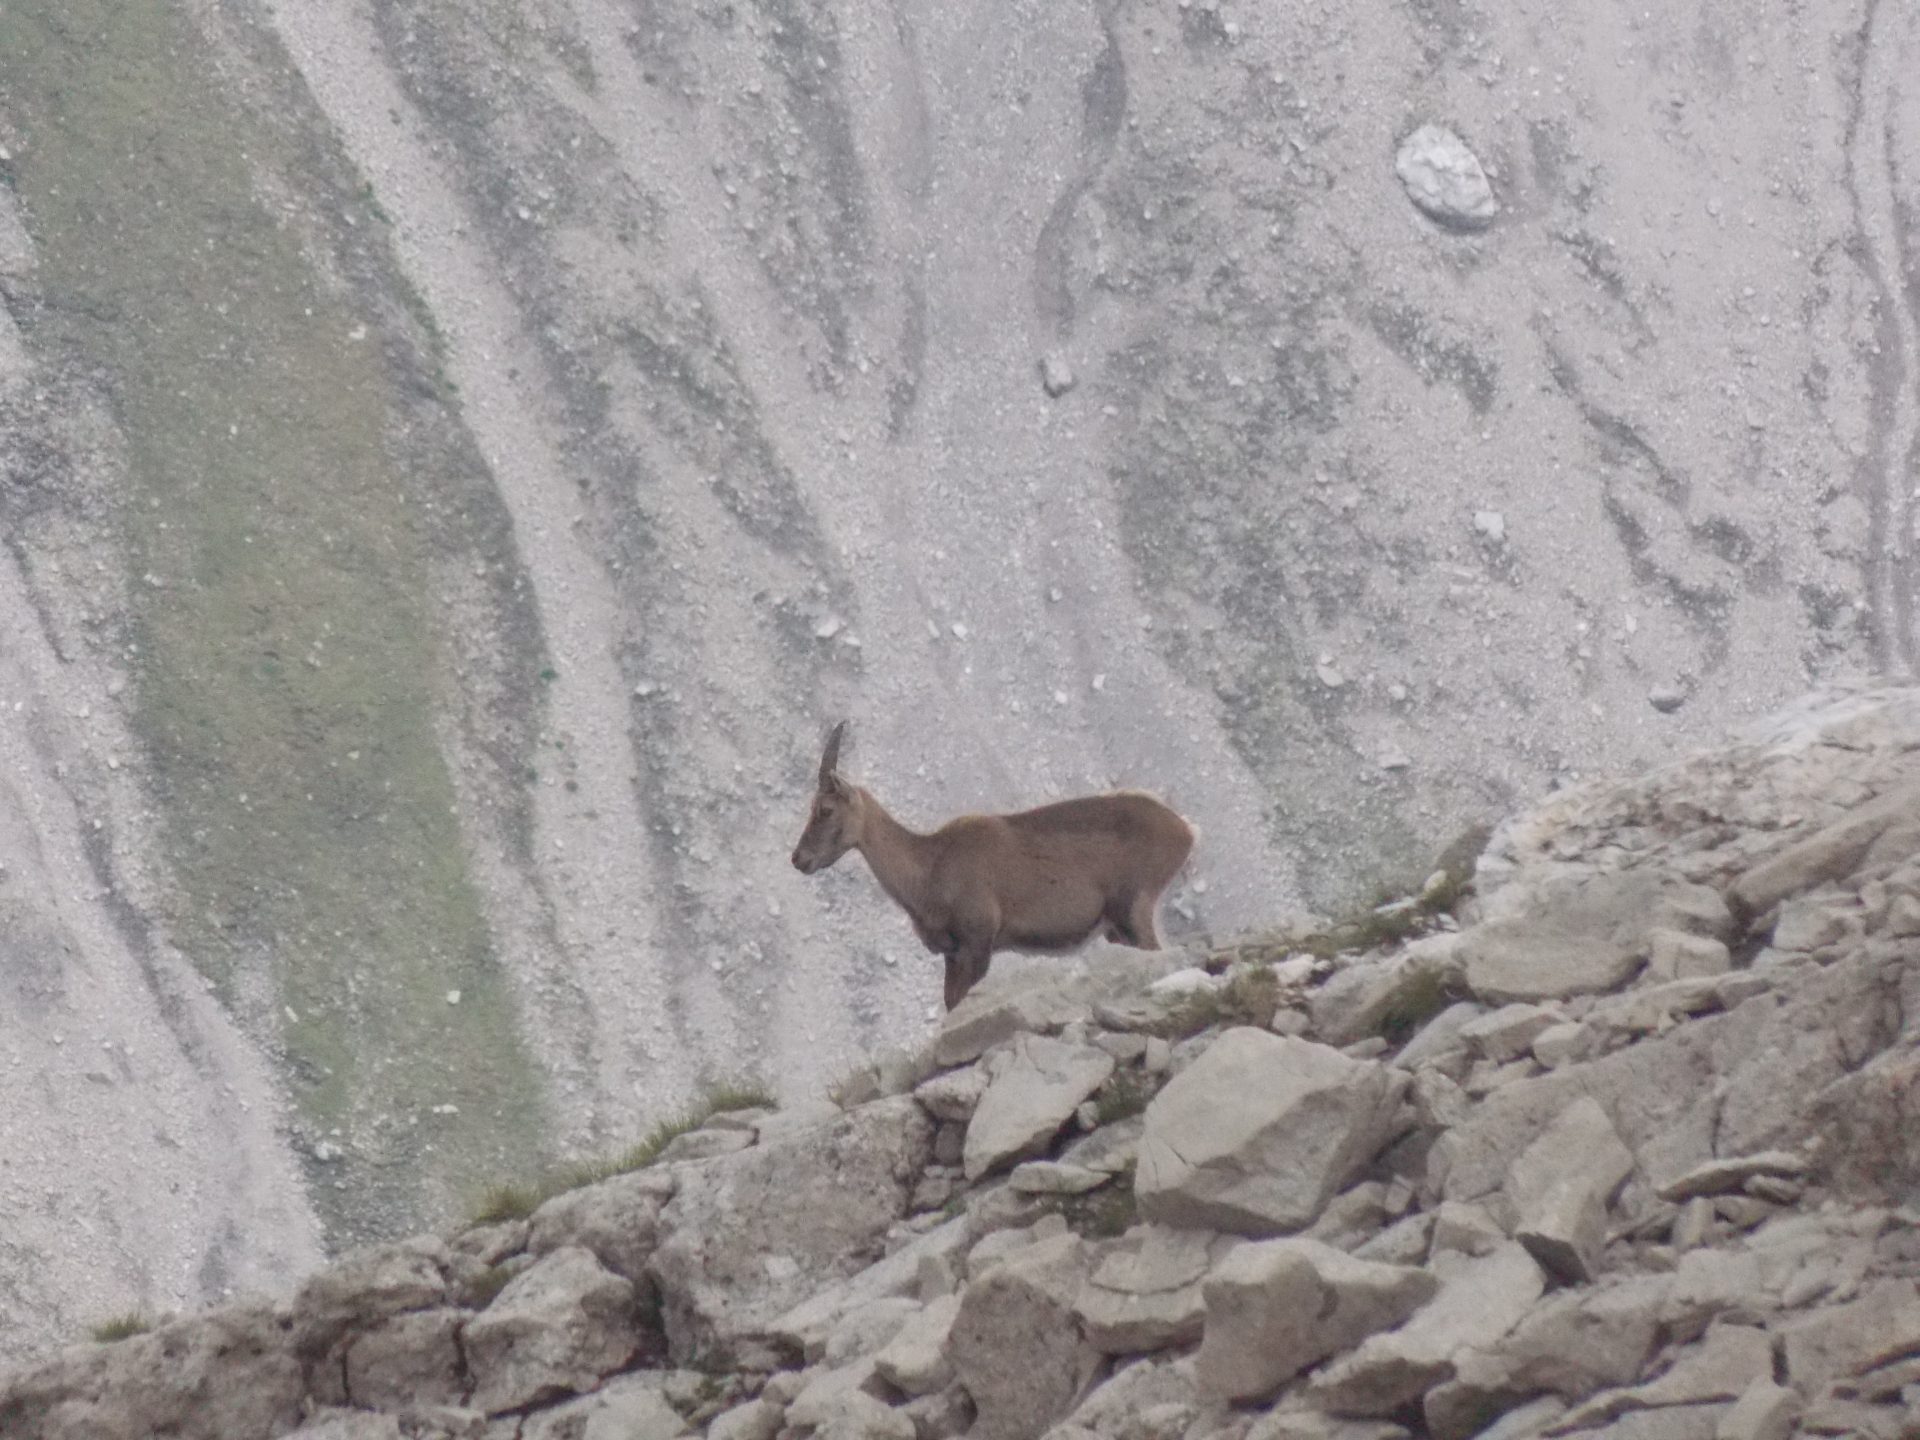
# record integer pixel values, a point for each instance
(1102, 1214)
(516, 1200)
(122, 1327)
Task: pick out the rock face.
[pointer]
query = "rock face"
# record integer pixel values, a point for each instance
(1691, 1218)
(1260, 1132)
(748, 1236)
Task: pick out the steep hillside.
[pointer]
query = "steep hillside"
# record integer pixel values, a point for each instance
(455, 459)
(1626, 1148)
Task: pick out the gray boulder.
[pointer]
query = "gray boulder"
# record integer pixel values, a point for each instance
(1573, 934)
(1478, 1302)
(558, 1328)
(750, 1236)
(408, 1359)
(915, 1359)
(617, 1219)
(1033, 1088)
(1146, 1295)
(209, 1377)
(626, 1409)
(1560, 1189)
(1016, 1344)
(1260, 1132)
(1276, 1307)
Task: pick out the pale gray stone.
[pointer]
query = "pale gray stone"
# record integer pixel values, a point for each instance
(1764, 1411)
(1837, 1341)
(1033, 1088)
(751, 1236)
(1146, 1294)
(617, 1219)
(1275, 1307)
(1016, 1344)
(914, 1360)
(1720, 1368)
(1567, 935)
(1676, 955)
(558, 1328)
(953, 1094)
(1723, 1176)
(1828, 854)
(625, 1410)
(1509, 1032)
(1478, 1302)
(1260, 1132)
(1444, 179)
(406, 1359)
(1561, 1186)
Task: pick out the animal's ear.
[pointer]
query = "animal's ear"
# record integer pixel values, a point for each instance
(830, 757)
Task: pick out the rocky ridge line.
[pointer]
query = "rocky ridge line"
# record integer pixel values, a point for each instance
(1629, 1150)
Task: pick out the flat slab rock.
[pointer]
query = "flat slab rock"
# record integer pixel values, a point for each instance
(1571, 935)
(1724, 1177)
(1033, 1088)
(1260, 1132)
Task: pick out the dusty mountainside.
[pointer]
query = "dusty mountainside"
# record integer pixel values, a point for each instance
(1625, 1147)
(454, 460)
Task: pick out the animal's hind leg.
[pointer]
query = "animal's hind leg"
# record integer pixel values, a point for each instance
(1140, 922)
(1130, 923)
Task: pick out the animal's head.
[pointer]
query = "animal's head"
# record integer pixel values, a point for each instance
(834, 822)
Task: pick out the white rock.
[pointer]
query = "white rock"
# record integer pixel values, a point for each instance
(1445, 179)
(1276, 1307)
(1560, 1188)
(1260, 1132)
(1033, 1089)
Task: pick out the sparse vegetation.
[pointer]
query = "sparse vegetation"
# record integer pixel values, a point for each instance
(515, 1200)
(1101, 1214)
(481, 1292)
(122, 1327)
(1423, 994)
(1249, 997)
(1124, 1096)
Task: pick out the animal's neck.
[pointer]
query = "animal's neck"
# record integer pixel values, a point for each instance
(895, 854)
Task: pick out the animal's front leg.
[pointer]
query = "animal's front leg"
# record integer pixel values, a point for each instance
(966, 966)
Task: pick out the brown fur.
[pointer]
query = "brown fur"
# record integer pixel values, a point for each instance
(1039, 881)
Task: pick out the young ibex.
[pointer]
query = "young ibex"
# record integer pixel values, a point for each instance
(1040, 881)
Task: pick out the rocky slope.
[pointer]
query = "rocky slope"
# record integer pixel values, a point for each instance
(1625, 1147)
(455, 459)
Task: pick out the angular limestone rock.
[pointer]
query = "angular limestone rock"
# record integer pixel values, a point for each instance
(750, 1236)
(558, 1328)
(1560, 1188)
(1016, 1344)
(618, 1220)
(1260, 1132)
(1479, 1301)
(915, 1360)
(1034, 1087)
(1565, 936)
(1147, 1296)
(1276, 1307)
(1727, 1176)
